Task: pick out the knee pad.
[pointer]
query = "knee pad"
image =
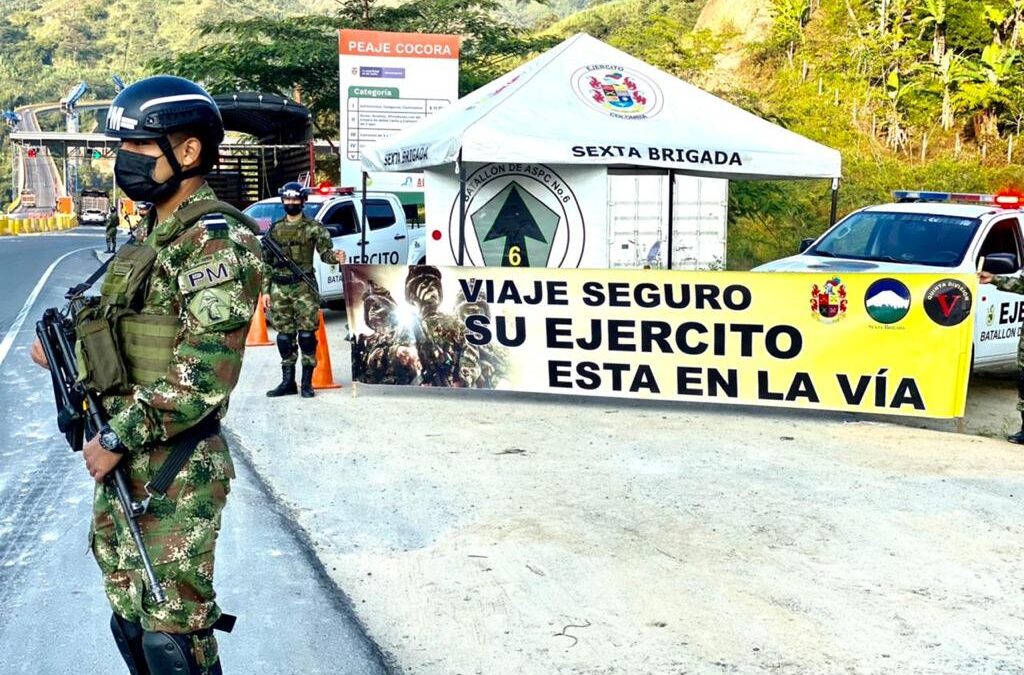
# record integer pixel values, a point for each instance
(307, 341)
(286, 344)
(128, 636)
(171, 654)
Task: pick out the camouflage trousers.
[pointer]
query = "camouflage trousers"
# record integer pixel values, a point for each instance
(294, 307)
(180, 532)
(111, 237)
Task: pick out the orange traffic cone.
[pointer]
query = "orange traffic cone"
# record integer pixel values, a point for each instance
(257, 336)
(323, 378)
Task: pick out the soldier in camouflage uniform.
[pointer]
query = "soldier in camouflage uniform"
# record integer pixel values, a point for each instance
(293, 308)
(1012, 284)
(484, 366)
(198, 279)
(440, 338)
(386, 356)
(111, 229)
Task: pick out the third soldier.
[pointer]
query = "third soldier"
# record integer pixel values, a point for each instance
(293, 307)
(112, 224)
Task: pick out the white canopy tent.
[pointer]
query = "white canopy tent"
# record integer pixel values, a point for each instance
(586, 103)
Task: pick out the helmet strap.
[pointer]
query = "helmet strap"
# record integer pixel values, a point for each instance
(165, 145)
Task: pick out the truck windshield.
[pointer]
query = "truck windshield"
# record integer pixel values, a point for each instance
(911, 238)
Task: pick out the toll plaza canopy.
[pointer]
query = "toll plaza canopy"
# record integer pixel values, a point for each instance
(585, 102)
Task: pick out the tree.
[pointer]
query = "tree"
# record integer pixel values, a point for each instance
(951, 71)
(896, 89)
(987, 89)
(934, 15)
(300, 53)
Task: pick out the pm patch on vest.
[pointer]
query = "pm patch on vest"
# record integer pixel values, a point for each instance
(212, 270)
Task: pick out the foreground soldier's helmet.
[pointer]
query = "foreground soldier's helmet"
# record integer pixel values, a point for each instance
(292, 190)
(156, 106)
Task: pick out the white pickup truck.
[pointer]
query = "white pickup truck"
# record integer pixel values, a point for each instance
(390, 238)
(933, 232)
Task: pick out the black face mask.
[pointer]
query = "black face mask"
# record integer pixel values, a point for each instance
(134, 174)
(293, 209)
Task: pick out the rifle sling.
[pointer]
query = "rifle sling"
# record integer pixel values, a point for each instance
(185, 444)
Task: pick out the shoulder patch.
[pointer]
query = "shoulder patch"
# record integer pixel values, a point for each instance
(212, 308)
(211, 270)
(215, 224)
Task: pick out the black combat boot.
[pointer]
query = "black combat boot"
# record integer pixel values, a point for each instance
(1018, 437)
(287, 386)
(307, 381)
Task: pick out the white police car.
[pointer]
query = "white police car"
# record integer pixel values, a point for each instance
(390, 238)
(933, 232)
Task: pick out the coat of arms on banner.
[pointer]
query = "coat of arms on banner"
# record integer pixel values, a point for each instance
(828, 302)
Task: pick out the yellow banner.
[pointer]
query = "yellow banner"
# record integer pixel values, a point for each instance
(874, 343)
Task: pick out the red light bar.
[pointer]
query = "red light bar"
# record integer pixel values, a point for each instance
(1009, 199)
(326, 188)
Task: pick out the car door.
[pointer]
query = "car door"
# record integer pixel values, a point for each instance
(387, 240)
(342, 223)
(998, 319)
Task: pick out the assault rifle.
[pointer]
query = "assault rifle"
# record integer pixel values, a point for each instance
(273, 250)
(80, 415)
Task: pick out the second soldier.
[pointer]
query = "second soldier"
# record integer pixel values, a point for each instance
(293, 308)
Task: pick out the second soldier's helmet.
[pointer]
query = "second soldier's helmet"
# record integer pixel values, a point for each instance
(292, 190)
(156, 106)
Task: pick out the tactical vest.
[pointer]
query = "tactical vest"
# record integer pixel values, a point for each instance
(118, 347)
(295, 241)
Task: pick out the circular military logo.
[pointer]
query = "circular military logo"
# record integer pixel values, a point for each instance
(620, 92)
(887, 300)
(948, 302)
(519, 215)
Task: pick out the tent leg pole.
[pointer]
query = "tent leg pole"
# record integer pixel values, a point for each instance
(362, 225)
(835, 202)
(671, 213)
(462, 209)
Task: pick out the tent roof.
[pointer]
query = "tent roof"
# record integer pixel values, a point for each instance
(585, 102)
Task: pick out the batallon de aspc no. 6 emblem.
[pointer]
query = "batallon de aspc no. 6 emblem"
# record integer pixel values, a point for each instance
(828, 301)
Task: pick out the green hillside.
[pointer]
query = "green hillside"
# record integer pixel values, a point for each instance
(915, 93)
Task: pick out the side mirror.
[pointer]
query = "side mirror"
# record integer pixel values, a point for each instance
(1001, 263)
(805, 244)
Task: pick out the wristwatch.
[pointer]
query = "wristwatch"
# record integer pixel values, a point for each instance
(110, 442)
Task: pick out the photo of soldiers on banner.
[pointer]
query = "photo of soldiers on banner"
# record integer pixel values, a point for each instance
(406, 333)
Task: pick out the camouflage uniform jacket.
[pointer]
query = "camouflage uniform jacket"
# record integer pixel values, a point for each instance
(441, 346)
(379, 362)
(306, 234)
(1009, 284)
(214, 319)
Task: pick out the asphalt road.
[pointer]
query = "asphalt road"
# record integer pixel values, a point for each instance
(53, 615)
(39, 171)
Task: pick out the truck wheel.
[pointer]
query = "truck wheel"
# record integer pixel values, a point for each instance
(336, 305)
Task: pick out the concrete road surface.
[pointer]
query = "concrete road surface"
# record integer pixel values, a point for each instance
(53, 615)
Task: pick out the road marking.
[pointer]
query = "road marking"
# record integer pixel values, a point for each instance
(12, 332)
